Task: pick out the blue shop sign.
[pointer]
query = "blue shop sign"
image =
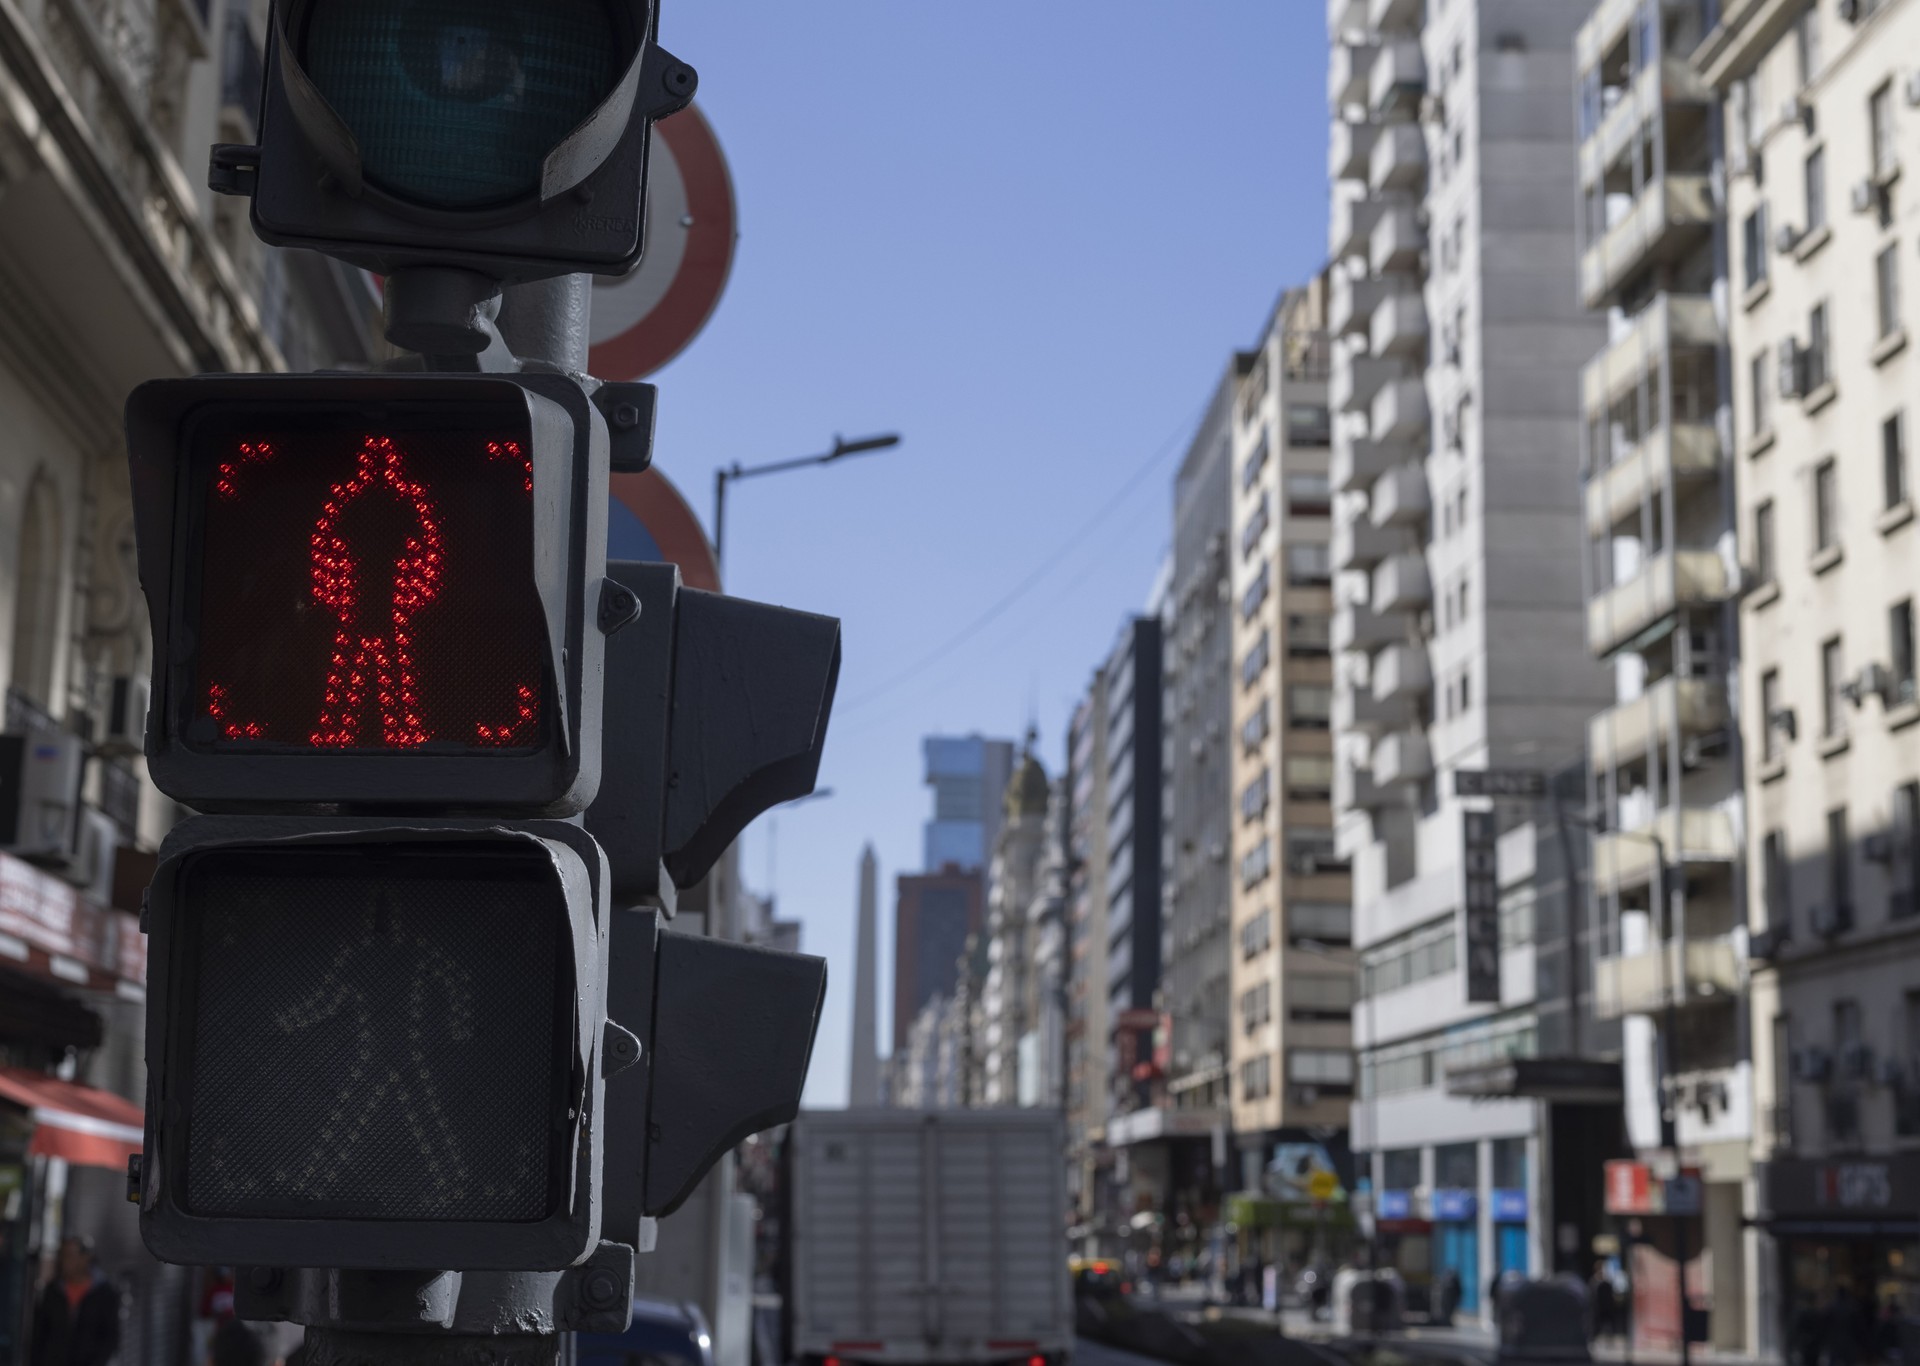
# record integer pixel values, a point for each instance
(1396, 1205)
(1455, 1206)
(1510, 1207)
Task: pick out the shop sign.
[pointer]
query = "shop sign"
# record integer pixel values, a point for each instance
(1509, 1206)
(1455, 1206)
(1480, 894)
(1632, 1188)
(1682, 1195)
(1864, 1186)
(1395, 1205)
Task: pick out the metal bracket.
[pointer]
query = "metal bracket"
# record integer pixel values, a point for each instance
(629, 409)
(233, 168)
(619, 606)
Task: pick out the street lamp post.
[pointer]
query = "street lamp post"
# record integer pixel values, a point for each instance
(726, 474)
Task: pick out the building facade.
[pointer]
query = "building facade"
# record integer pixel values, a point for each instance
(934, 915)
(1088, 1045)
(1819, 105)
(1014, 886)
(968, 774)
(1292, 965)
(1666, 790)
(1457, 619)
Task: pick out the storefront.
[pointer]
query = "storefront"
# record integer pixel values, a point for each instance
(1656, 1220)
(1406, 1245)
(1847, 1232)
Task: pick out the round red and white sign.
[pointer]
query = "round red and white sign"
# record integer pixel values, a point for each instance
(644, 319)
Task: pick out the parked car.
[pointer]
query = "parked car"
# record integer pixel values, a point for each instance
(662, 1334)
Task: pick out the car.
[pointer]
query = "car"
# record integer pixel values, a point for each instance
(662, 1333)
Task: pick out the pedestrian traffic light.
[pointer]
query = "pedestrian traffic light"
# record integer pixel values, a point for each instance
(506, 137)
(371, 591)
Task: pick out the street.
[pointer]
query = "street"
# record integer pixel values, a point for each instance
(1093, 1354)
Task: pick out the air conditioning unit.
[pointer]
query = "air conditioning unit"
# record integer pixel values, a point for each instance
(1786, 237)
(1768, 944)
(1864, 196)
(1856, 1062)
(1812, 1064)
(1793, 369)
(94, 847)
(40, 793)
(125, 731)
(1831, 921)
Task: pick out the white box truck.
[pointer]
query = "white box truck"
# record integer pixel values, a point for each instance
(927, 1238)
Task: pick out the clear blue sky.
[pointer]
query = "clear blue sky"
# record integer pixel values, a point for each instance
(1026, 234)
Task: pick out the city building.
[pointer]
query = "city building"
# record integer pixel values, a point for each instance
(967, 774)
(1088, 1094)
(1292, 970)
(1819, 106)
(934, 915)
(116, 266)
(1458, 611)
(1043, 1048)
(1013, 887)
(1658, 510)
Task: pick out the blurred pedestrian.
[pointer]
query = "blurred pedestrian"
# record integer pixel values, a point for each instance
(1605, 1301)
(1840, 1342)
(77, 1322)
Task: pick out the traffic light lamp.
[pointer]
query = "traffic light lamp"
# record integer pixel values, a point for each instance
(505, 137)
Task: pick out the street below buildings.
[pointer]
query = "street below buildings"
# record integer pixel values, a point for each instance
(1087, 1353)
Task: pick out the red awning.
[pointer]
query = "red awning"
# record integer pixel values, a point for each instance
(88, 1128)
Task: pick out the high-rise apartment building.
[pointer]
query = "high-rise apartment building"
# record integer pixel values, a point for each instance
(1657, 504)
(1458, 610)
(1292, 965)
(1088, 1047)
(1822, 113)
(934, 914)
(968, 775)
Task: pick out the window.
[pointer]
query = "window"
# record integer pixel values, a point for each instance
(1816, 185)
(1309, 777)
(1839, 862)
(1401, 1170)
(1327, 1068)
(1833, 703)
(1256, 727)
(1256, 797)
(1256, 936)
(1256, 594)
(1904, 870)
(1312, 851)
(1256, 1078)
(1901, 651)
(1309, 637)
(1319, 998)
(1461, 615)
(1466, 687)
(1893, 458)
(1309, 424)
(1319, 922)
(1256, 1006)
(1753, 246)
(1769, 707)
(1817, 346)
(1309, 495)
(1763, 553)
(1880, 130)
(1256, 527)
(1415, 956)
(1807, 45)
(1518, 910)
(1826, 505)
(1779, 881)
(1255, 663)
(1250, 472)
(1257, 863)
(1760, 379)
(1309, 706)
(1309, 565)
(1886, 283)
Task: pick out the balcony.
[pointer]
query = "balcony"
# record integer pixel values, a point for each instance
(1350, 150)
(1357, 628)
(1350, 232)
(1348, 69)
(1355, 790)
(1691, 835)
(1399, 326)
(1356, 711)
(1697, 971)
(1401, 757)
(1402, 673)
(1358, 461)
(1669, 323)
(1670, 86)
(1400, 583)
(1665, 583)
(1359, 544)
(1397, 241)
(1400, 497)
(1396, 80)
(1673, 707)
(1355, 383)
(1671, 216)
(1346, 17)
(1399, 158)
(1351, 302)
(1688, 453)
(1605, 27)
(1394, 16)
(1400, 413)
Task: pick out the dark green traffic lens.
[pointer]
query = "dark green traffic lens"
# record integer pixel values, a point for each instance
(456, 103)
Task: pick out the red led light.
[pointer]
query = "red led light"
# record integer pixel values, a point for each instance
(369, 591)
